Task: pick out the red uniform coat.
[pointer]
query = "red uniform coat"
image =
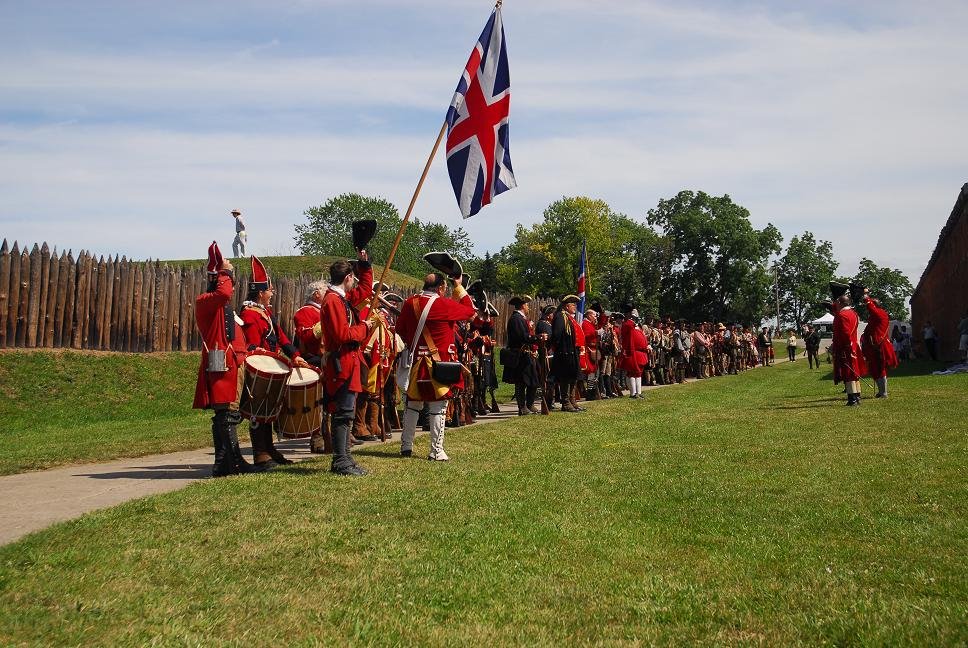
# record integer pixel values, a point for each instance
(877, 347)
(343, 335)
(583, 365)
(849, 362)
(262, 329)
(591, 345)
(441, 324)
(221, 388)
(305, 319)
(635, 350)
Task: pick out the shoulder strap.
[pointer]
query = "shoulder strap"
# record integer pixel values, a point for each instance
(420, 324)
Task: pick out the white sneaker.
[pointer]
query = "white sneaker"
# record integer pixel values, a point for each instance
(440, 456)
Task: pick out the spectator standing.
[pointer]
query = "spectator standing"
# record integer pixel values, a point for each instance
(930, 340)
(238, 243)
(792, 346)
(812, 343)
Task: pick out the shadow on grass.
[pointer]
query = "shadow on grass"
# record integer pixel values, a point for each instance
(156, 472)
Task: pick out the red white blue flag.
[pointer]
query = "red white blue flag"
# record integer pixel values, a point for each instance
(582, 268)
(478, 159)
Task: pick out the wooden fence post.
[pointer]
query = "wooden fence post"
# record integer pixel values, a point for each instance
(83, 274)
(22, 297)
(134, 340)
(42, 291)
(33, 297)
(60, 299)
(70, 301)
(13, 300)
(4, 291)
(53, 272)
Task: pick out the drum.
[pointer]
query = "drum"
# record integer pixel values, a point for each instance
(263, 387)
(301, 414)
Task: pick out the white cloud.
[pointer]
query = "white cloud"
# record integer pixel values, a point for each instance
(852, 132)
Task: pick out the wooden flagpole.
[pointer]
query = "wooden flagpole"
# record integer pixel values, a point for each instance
(406, 218)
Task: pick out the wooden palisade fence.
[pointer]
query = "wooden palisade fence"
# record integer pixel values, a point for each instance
(56, 301)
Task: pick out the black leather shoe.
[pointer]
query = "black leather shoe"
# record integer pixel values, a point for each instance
(356, 441)
(368, 437)
(351, 471)
(406, 453)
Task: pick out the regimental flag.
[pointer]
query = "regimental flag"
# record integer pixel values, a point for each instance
(582, 269)
(478, 158)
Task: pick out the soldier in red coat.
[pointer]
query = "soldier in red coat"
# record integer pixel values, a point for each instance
(223, 352)
(635, 352)
(849, 365)
(306, 321)
(378, 354)
(875, 342)
(589, 328)
(307, 334)
(435, 341)
(343, 333)
(263, 333)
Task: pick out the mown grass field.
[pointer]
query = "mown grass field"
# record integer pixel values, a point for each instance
(62, 407)
(66, 407)
(754, 509)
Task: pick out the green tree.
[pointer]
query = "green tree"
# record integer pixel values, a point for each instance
(487, 273)
(718, 266)
(543, 259)
(805, 271)
(890, 286)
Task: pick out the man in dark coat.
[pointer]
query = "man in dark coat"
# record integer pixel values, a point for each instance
(520, 369)
(565, 364)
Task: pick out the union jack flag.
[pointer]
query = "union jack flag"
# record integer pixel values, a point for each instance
(582, 266)
(478, 159)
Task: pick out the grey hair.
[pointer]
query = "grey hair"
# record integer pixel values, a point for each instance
(320, 285)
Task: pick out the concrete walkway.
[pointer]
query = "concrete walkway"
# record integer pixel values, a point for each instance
(36, 500)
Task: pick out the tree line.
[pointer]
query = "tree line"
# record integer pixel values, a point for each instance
(695, 256)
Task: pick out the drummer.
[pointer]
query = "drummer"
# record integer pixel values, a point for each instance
(306, 321)
(308, 338)
(263, 333)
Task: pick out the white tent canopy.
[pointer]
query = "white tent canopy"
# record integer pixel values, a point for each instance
(826, 319)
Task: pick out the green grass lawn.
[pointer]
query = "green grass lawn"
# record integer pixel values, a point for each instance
(754, 509)
(66, 407)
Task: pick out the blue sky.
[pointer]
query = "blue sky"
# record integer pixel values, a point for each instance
(134, 127)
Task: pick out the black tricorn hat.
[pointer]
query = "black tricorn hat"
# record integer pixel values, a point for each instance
(475, 288)
(443, 262)
(838, 289)
(569, 299)
(856, 291)
(518, 300)
(597, 307)
(393, 298)
(547, 310)
(363, 231)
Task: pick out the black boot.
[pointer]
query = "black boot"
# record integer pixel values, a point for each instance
(243, 467)
(270, 447)
(343, 463)
(224, 461)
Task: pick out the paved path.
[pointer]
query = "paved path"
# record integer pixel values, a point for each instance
(36, 500)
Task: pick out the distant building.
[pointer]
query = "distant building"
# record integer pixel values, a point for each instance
(941, 295)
